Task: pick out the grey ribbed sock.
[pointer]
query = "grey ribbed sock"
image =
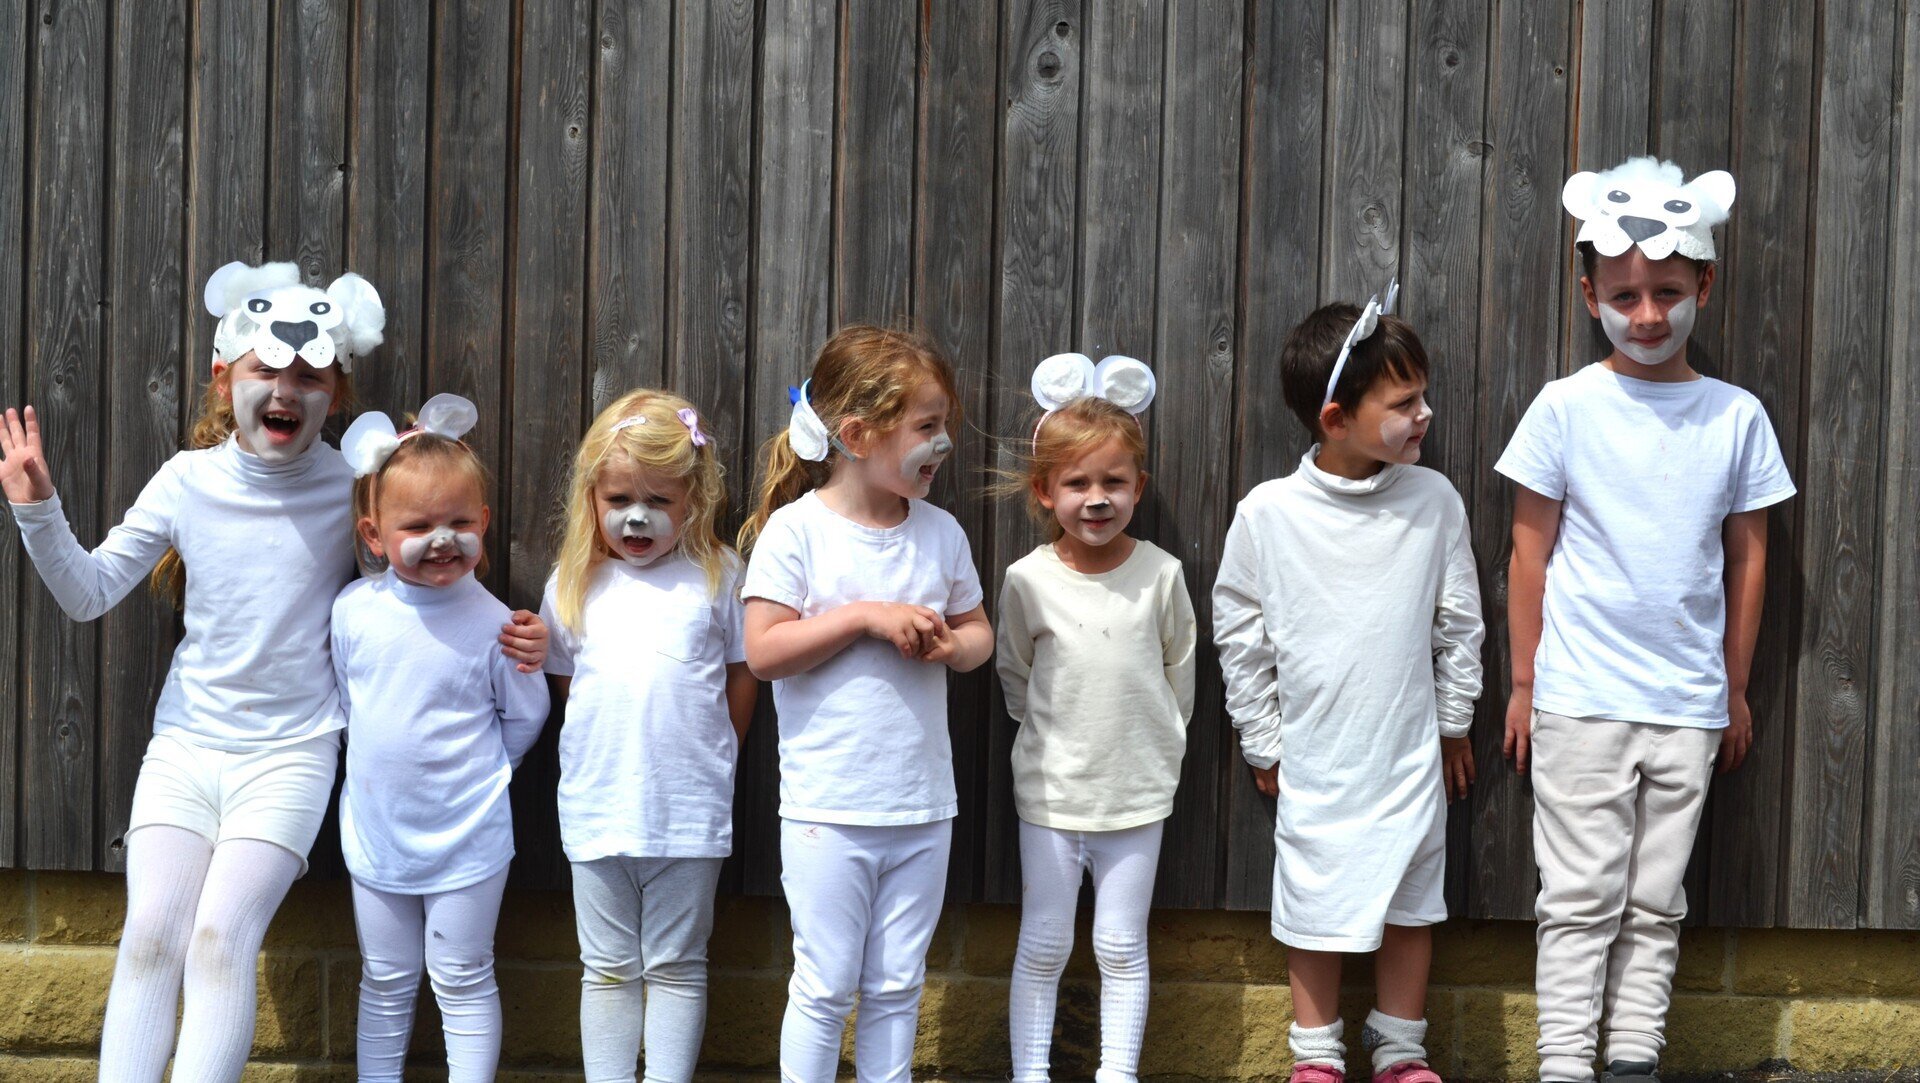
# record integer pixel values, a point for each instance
(1393, 1040)
(1318, 1045)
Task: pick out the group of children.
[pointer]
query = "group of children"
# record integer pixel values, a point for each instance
(328, 592)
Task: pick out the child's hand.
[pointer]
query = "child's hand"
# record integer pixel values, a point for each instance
(1456, 765)
(1737, 738)
(910, 628)
(939, 645)
(1517, 744)
(1267, 780)
(524, 639)
(23, 463)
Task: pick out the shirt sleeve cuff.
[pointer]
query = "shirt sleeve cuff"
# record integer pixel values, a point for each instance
(39, 511)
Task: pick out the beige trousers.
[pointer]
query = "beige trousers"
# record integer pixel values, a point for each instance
(1615, 808)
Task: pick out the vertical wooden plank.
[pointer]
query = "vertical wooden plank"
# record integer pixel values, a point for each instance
(1763, 286)
(792, 283)
(64, 382)
(1440, 272)
(307, 138)
(953, 300)
(1524, 245)
(1194, 352)
(1280, 202)
(1037, 224)
(873, 186)
(1613, 100)
(387, 194)
(1120, 243)
(627, 253)
(1846, 412)
(13, 204)
(1893, 811)
(144, 336)
(547, 362)
(1367, 109)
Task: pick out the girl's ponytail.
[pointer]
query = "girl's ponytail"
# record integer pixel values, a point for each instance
(785, 479)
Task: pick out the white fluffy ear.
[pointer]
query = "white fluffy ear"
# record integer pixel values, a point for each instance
(449, 415)
(1580, 193)
(1062, 378)
(363, 317)
(367, 442)
(1715, 188)
(231, 284)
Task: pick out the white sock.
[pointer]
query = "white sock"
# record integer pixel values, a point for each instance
(1318, 1045)
(246, 881)
(1393, 1040)
(165, 869)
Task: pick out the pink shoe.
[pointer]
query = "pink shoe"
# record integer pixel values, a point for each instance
(1407, 1071)
(1316, 1073)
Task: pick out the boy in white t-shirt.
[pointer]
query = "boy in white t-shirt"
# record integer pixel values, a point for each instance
(1639, 564)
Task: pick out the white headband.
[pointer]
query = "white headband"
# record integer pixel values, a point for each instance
(370, 441)
(1064, 377)
(1643, 202)
(268, 311)
(1363, 327)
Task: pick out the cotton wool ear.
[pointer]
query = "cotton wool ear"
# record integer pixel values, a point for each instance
(231, 284)
(364, 317)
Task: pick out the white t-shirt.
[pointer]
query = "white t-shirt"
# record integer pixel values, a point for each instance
(437, 719)
(863, 735)
(1635, 613)
(647, 750)
(1098, 670)
(266, 548)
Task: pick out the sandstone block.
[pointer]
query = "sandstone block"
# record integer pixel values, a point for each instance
(1721, 1033)
(79, 907)
(1800, 962)
(53, 1000)
(1835, 1035)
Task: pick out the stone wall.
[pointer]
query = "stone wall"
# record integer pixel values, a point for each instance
(1818, 1001)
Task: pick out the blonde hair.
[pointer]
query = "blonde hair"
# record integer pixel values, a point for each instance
(1060, 440)
(663, 444)
(211, 429)
(422, 453)
(863, 373)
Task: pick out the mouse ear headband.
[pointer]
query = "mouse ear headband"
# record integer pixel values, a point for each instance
(370, 441)
(1363, 328)
(1064, 377)
(805, 431)
(1647, 202)
(268, 311)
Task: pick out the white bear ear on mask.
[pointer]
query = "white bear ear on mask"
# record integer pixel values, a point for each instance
(233, 283)
(448, 415)
(1580, 194)
(1715, 192)
(1126, 382)
(1062, 378)
(363, 318)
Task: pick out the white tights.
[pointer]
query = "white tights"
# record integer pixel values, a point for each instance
(451, 933)
(196, 914)
(1052, 864)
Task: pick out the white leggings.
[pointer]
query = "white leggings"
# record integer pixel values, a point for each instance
(864, 902)
(1052, 864)
(198, 911)
(451, 933)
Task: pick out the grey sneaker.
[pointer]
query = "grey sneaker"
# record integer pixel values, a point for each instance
(1631, 1071)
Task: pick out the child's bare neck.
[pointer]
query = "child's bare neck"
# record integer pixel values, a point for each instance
(867, 505)
(1093, 559)
(1674, 370)
(1341, 461)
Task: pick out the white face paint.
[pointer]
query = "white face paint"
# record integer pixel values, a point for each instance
(926, 456)
(641, 535)
(296, 419)
(1619, 328)
(441, 544)
(1400, 432)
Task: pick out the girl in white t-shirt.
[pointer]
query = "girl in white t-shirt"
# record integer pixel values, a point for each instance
(648, 655)
(858, 593)
(246, 740)
(437, 719)
(1096, 652)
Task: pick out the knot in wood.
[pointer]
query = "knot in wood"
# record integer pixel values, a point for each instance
(1048, 65)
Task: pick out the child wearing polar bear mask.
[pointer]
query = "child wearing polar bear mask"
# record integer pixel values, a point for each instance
(649, 656)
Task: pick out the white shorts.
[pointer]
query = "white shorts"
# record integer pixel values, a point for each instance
(278, 795)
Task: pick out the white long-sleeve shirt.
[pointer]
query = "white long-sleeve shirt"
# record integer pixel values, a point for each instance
(266, 548)
(1098, 671)
(1347, 614)
(437, 719)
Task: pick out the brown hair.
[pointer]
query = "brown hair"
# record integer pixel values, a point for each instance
(423, 452)
(1060, 440)
(863, 373)
(1590, 259)
(1313, 347)
(211, 429)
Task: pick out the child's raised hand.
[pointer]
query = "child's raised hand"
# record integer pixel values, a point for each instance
(24, 476)
(524, 639)
(908, 627)
(1456, 765)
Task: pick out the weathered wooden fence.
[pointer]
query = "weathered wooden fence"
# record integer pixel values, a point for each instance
(561, 199)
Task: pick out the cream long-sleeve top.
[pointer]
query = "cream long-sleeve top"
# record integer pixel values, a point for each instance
(1098, 670)
(437, 719)
(266, 547)
(1347, 614)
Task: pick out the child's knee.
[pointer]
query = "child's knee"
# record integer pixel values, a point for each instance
(216, 948)
(150, 947)
(684, 974)
(1043, 947)
(1120, 951)
(609, 971)
(461, 973)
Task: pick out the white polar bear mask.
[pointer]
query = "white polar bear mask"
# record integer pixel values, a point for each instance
(1644, 202)
(269, 311)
